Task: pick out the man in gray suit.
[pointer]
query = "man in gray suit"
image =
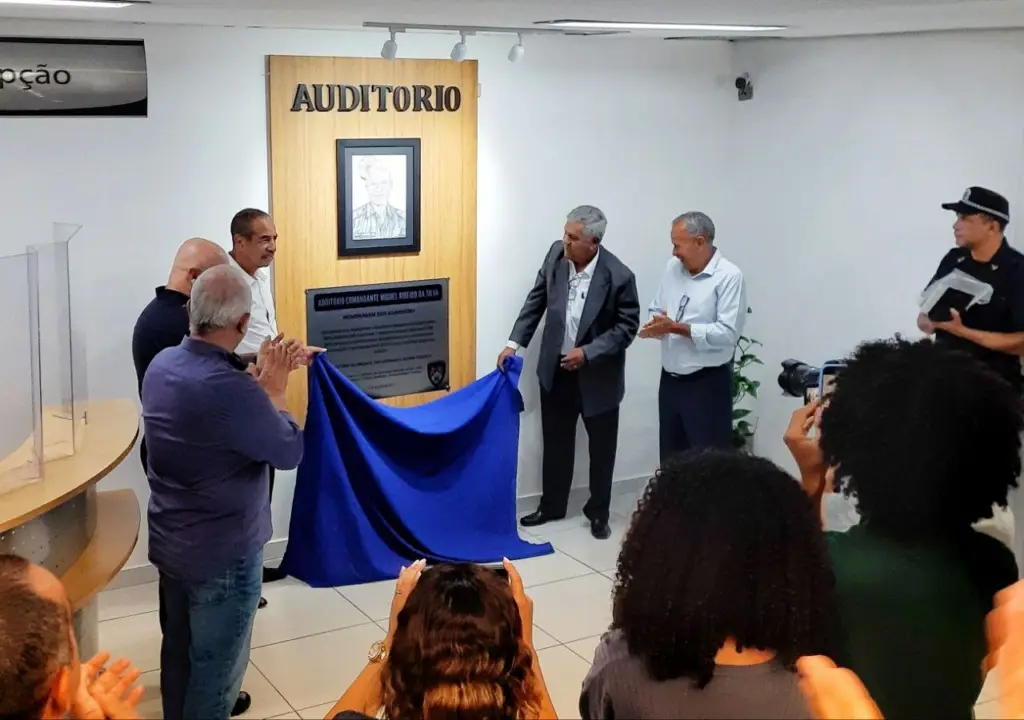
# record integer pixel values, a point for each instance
(592, 316)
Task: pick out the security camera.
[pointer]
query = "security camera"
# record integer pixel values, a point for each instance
(744, 87)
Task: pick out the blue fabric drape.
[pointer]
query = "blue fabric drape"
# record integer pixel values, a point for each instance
(380, 487)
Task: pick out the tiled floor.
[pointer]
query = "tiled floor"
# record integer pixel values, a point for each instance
(308, 644)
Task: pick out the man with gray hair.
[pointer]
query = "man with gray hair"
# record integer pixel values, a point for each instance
(593, 314)
(698, 314)
(215, 426)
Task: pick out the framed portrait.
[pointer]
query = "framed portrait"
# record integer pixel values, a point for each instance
(378, 197)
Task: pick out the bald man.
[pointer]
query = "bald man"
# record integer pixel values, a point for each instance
(164, 322)
(41, 675)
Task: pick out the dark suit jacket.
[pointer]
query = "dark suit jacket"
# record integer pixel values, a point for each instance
(611, 317)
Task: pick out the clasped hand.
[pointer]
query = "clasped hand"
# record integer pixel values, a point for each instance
(299, 355)
(658, 326)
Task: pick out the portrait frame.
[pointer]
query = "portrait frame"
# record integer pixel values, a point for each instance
(378, 196)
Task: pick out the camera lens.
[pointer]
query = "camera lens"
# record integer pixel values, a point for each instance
(796, 377)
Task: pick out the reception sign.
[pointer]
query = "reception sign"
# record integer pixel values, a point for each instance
(57, 77)
(389, 339)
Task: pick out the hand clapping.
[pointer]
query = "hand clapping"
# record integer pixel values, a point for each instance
(111, 696)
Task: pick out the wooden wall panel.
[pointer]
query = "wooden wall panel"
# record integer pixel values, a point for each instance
(304, 195)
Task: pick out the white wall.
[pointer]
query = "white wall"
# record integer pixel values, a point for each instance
(638, 128)
(839, 166)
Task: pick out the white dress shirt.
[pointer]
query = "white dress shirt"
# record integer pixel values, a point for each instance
(262, 318)
(713, 303)
(576, 300)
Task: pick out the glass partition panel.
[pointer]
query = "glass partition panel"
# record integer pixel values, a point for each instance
(65, 233)
(21, 427)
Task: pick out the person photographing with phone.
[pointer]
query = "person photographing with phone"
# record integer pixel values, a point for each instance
(459, 644)
(698, 315)
(593, 313)
(927, 439)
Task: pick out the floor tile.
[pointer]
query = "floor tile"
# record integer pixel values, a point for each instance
(128, 601)
(296, 610)
(547, 531)
(585, 648)
(564, 672)
(136, 638)
(624, 505)
(542, 640)
(266, 701)
(601, 555)
(374, 599)
(550, 568)
(316, 670)
(573, 609)
(289, 716)
(319, 712)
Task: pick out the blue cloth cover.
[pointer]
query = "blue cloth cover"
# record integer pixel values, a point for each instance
(380, 487)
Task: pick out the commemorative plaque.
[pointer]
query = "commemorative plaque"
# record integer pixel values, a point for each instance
(389, 339)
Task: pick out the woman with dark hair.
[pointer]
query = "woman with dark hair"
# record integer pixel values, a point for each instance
(459, 645)
(723, 582)
(926, 440)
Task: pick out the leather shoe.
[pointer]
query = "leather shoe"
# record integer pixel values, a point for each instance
(273, 574)
(538, 518)
(600, 530)
(242, 704)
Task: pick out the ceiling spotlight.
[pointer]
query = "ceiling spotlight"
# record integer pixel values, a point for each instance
(390, 49)
(459, 49)
(516, 53)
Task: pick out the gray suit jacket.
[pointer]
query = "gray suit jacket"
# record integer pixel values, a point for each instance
(611, 317)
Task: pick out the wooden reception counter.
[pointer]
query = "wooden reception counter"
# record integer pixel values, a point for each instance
(62, 523)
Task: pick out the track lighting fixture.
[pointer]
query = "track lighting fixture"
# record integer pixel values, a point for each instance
(516, 53)
(390, 49)
(459, 49)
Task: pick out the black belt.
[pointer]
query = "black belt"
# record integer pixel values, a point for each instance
(697, 374)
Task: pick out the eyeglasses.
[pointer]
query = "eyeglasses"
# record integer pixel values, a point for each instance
(682, 308)
(574, 286)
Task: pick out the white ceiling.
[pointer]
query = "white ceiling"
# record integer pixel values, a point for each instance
(804, 18)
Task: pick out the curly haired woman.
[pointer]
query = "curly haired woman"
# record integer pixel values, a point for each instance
(723, 582)
(460, 645)
(927, 440)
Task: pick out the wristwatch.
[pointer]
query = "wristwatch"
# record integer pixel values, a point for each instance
(378, 653)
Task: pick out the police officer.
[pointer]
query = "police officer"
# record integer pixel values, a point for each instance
(994, 331)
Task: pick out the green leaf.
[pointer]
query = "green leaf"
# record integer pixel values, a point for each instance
(739, 413)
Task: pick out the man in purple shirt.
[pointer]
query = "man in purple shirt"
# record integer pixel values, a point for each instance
(214, 427)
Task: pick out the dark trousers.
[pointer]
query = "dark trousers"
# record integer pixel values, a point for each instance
(560, 411)
(695, 411)
(207, 631)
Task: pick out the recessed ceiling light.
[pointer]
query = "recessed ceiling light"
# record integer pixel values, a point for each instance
(76, 3)
(676, 27)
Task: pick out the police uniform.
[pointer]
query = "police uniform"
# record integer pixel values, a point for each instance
(1004, 272)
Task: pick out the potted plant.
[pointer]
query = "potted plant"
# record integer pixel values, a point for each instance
(743, 387)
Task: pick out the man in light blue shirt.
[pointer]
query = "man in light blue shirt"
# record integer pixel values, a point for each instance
(698, 314)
